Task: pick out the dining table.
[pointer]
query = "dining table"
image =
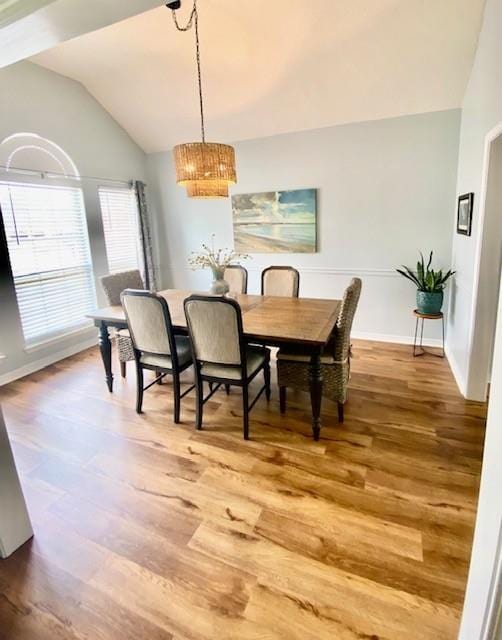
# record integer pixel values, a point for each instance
(276, 321)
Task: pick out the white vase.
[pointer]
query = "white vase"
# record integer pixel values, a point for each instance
(219, 286)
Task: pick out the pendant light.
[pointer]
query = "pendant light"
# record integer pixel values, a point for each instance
(204, 168)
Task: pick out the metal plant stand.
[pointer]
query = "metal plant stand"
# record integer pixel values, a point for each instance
(418, 349)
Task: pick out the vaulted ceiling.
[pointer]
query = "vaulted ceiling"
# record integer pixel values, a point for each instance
(275, 67)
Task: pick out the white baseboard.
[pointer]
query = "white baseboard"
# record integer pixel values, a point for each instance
(385, 337)
(457, 373)
(36, 365)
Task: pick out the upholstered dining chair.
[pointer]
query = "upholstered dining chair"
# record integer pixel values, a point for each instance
(220, 353)
(113, 285)
(280, 281)
(155, 346)
(237, 278)
(293, 365)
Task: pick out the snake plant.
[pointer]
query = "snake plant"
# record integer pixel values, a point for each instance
(425, 278)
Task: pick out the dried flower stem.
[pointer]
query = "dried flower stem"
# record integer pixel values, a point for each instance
(215, 259)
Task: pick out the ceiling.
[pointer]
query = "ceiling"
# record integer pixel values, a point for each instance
(30, 26)
(275, 67)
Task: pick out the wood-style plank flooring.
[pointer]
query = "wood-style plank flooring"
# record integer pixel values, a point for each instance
(150, 530)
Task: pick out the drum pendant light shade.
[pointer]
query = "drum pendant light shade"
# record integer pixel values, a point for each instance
(205, 168)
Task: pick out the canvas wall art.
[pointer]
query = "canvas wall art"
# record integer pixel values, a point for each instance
(275, 221)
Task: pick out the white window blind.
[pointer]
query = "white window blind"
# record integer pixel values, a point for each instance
(49, 252)
(119, 211)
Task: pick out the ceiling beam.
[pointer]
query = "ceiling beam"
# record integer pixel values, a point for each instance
(53, 22)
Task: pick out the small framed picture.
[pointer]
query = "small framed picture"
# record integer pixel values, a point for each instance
(464, 213)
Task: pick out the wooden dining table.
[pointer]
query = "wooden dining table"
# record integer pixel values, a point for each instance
(271, 320)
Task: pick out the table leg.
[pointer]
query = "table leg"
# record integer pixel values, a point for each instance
(105, 346)
(315, 381)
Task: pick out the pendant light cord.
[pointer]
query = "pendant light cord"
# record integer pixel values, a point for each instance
(193, 20)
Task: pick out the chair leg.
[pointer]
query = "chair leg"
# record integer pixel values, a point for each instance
(227, 389)
(123, 369)
(266, 375)
(199, 402)
(177, 398)
(139, 388)
(245, 411)
(282, 399)
(157, 374)
(340, 411)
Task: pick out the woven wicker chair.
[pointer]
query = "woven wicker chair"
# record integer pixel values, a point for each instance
(280, 281)
(113, 285)
(293, 365)
(237, 278)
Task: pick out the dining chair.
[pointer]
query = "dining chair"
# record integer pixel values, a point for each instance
(237, 277)
(280, 281)
(293, 364)
(113, 285)
(155, 345)
(220, 353)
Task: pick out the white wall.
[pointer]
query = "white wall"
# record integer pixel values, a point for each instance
(15, 525)
(482, 111)
(478, 600)
(35, 100)
(385, 190)
(489, 275)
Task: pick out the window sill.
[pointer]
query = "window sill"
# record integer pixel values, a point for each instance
(42, 344)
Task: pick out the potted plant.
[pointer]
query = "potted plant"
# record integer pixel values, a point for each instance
(430, 285)
(217, 260)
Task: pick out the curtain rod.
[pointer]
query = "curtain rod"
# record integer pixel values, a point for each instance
(53, 174)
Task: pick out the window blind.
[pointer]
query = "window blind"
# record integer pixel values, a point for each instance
(119, 211)
(48, 246)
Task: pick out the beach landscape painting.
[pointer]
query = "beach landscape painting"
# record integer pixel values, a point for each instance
(275, 221)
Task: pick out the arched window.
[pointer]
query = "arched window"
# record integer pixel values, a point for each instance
(29, 151)
(47, 237)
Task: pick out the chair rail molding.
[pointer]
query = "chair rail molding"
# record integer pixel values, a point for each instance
(338, 271)
(386, 284)
(343, 271)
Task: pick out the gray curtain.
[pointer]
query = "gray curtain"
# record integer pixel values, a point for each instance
(146, 236)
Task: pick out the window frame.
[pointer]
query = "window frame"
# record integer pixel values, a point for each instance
(140, 258)
(31, 178)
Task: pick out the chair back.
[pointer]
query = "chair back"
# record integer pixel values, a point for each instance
(215, 329)
(345, 319)
(115, 283)
(237, 278)
(280, 281)
(149, 321)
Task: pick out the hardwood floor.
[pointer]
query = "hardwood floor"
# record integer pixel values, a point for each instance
(146, 529)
